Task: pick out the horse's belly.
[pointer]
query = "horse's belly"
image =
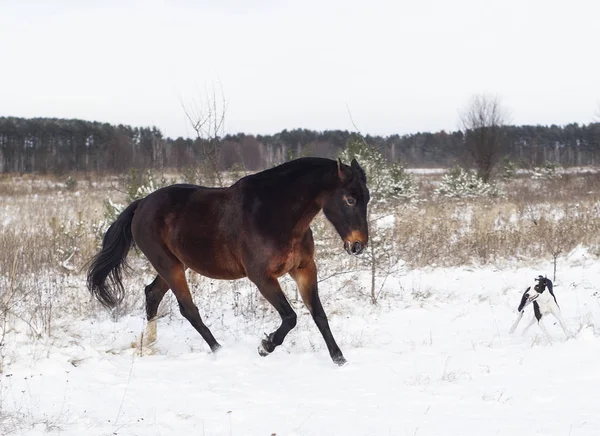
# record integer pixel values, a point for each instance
(212, 260)
(219, 274)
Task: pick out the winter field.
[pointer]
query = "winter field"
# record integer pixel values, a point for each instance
(422, 317)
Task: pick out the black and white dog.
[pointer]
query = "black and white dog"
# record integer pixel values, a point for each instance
(544, 302)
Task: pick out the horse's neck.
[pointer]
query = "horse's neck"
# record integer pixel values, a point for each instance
(308, 194)
(306, 215)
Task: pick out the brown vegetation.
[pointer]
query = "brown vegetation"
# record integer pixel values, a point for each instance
(49, 231)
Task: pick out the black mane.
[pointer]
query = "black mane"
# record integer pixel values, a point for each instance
(293, 169)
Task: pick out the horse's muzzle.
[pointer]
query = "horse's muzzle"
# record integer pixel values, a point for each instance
(354, 248)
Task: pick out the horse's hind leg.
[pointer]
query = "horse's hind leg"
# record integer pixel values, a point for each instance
(175, 279)
(172, 275)
(270, 289)
(155, 292)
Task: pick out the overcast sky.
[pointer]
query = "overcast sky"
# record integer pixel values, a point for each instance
(399, 66)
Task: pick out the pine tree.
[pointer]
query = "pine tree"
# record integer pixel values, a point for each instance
(389, 185)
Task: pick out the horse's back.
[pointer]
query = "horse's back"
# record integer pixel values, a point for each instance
(199, 225)
(178, 197)
(170, 201)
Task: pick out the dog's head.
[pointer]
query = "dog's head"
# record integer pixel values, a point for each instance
(542, 284)
(529, 296)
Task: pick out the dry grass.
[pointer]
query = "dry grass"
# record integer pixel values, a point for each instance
(44, 224)
(533, 219)
(50, 229)
(49, 232)
(567, 187)
(459, 233)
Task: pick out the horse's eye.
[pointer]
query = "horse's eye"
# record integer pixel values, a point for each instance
(351, 201)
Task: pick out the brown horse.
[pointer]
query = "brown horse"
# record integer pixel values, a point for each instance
(257, 228)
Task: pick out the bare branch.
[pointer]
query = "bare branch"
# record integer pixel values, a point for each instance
(482, 122)
(207, 119)
(362, 138)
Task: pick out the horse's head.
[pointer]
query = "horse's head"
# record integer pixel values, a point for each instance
(346, 207)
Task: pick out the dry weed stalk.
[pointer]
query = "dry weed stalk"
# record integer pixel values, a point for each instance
(536, 219)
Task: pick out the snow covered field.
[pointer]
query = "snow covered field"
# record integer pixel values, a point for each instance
(433, 358)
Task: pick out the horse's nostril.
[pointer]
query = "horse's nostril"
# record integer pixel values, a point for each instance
(357, 248)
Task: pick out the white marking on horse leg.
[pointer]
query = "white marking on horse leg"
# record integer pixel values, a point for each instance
(150, 334)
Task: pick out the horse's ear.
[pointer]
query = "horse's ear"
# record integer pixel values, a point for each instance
(356, 167)
(341, 171)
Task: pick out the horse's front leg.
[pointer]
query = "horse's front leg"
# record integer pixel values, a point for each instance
(270, 289)
(305, 277)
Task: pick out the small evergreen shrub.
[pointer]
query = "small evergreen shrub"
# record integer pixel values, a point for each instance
(458, 183)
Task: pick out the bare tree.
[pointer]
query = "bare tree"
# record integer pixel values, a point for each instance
(597, 117)
(482, 122)
(207, 119)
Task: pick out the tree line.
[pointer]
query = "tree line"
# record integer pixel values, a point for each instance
(50, 145)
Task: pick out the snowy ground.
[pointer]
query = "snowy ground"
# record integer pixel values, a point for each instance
(434, 358)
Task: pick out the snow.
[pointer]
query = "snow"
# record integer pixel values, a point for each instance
(433, 358)
(426, 171)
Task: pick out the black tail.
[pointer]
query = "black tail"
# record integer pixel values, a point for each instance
(108, 264)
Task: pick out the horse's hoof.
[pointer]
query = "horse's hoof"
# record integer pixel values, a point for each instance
(142, 349)
(216, 347)
(266, 347)
(142, 343)
(340, 360)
